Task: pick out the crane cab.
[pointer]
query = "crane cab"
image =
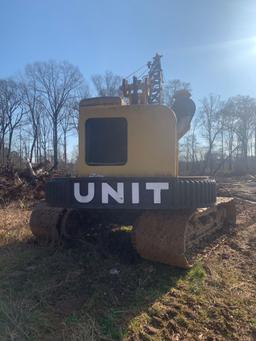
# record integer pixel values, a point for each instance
(126, 140)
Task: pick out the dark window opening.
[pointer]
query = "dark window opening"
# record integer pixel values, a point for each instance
(106, 141)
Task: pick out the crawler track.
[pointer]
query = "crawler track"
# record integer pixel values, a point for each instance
(170, 237)
(174, 237)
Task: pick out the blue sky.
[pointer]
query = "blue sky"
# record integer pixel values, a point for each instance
(209, 43)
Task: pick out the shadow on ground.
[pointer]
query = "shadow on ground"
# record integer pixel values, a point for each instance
(78, 291)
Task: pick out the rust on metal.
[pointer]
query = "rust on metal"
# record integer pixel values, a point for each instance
(45, 221)
(173, 237)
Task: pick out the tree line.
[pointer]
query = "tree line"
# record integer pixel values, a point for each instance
(39, 113)
(40, 108)
(222, 138)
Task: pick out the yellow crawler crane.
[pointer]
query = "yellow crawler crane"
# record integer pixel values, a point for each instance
(128, 175)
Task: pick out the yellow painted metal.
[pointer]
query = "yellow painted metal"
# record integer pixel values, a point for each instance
(152, 141)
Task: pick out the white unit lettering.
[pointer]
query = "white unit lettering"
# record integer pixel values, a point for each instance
(135, 193)
(84, 199)
(107, 191)
(157, 187)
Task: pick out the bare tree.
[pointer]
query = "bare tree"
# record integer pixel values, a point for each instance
(244, 111)
(107, 84)
(70, 118)
(229, 118)
(11, 110)
(4, 108)
(210, 124)
(170, 89)
(74, 106)
(45, 136)
(35, 109)
(66, 127)
(189, 148)
(57, 84)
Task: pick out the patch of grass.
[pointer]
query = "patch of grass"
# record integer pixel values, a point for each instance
(137, 323)
(196, 278)
(181, 320)
(83, 329)
(71, 319)
(109, 326)
(22, 320)
(253, 322)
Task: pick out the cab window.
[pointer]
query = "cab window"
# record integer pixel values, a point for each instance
(106, 141)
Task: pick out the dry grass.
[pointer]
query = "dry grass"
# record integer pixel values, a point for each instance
(70, 294)
(81, 329)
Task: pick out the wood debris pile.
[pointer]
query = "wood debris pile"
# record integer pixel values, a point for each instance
(26, 186)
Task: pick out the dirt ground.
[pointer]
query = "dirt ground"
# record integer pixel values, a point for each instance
(94, 292)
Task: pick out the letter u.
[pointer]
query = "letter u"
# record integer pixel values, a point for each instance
(84, 199)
